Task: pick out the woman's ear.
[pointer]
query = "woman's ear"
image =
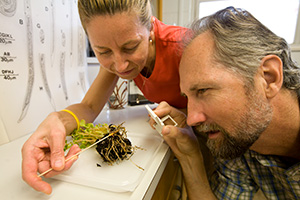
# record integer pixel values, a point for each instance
(152, 36)
(271, 66)
(152, 20)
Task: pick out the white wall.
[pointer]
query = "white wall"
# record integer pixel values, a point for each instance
(177, 12)
(296, 56)
(182, 13)
(93, 69)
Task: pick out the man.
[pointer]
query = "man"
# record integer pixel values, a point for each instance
(243, 93)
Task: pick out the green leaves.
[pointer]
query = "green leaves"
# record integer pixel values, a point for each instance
(86, 135)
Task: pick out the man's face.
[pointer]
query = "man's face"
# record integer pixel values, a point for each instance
(219, 104)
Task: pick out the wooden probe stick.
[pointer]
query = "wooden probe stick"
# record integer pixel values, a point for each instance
(45, 172)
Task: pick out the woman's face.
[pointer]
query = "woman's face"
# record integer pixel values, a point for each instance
(120, 43)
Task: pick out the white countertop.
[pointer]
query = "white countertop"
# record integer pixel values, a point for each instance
(13, 187)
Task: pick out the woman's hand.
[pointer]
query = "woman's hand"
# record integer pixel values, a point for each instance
(44, 150)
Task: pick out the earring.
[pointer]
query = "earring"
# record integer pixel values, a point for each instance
(150, 41)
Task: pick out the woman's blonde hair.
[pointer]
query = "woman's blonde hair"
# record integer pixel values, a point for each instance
(91, 8)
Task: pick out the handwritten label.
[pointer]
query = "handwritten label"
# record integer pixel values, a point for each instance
(7, 58)
(6, 38)
(8, 75)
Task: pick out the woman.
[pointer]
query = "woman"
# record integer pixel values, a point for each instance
(128, 43)
(127, 48)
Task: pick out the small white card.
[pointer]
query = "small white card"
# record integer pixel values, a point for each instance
(159, 123)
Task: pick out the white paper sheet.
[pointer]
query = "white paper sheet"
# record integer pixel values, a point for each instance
(42, 62)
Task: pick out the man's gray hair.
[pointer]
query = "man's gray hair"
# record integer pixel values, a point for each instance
(241, 42)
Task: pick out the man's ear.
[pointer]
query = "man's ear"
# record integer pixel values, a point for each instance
(271, 66)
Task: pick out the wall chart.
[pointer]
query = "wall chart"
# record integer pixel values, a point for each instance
(42, 62)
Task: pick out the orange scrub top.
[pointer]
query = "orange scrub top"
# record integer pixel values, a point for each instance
(163, 84)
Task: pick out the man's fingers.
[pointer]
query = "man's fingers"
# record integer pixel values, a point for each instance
(162, 109)
(171, 132)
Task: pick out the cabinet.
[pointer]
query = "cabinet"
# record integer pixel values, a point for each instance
(170, 184)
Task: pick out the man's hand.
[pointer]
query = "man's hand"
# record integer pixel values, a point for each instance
(186, 148)
(164, 109)
(181, 139)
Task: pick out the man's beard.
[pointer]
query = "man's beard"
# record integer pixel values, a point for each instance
(246, 130)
